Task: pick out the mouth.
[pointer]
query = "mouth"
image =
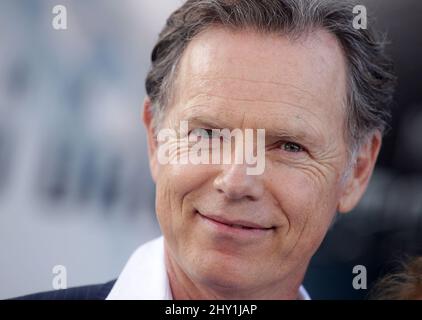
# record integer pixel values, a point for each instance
(234, 227)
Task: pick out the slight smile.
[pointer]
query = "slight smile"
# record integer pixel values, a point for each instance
(240, 228)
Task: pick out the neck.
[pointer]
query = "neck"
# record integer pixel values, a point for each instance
(184, 287)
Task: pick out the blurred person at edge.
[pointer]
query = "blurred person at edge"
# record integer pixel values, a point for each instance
(403, 284)
(320, 88)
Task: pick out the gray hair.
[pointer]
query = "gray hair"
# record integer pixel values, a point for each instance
(370, 82)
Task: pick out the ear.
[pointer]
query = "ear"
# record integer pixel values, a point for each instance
(151, 140)
(358, 179)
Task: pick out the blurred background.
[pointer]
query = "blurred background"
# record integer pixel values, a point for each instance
(75, 188)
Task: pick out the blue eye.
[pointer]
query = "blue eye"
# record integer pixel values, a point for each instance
(207, 133)
(292, 147)
(204, 133)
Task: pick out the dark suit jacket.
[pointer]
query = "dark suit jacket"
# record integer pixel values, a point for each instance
(92, 292)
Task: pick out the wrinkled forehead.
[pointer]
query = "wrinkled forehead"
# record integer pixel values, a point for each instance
(267, 75)
(313, 62)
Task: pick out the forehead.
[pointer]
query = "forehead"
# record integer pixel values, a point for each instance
(264, 78)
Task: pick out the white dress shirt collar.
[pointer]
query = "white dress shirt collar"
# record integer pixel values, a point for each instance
(144, 276)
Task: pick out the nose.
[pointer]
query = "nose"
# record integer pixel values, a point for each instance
(236, 184)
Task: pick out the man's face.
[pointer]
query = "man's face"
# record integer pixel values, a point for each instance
(295, 91)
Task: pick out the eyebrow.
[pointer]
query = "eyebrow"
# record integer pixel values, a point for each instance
(296, 134)
(208, 121)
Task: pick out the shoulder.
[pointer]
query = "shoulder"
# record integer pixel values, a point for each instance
(91, 292)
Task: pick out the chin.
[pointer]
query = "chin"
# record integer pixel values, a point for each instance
(222, 271)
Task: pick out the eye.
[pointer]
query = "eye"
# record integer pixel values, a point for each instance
(292, 147)
(204, 133)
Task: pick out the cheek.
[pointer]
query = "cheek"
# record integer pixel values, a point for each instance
(308, 202)
(174, 184)
(180, 180)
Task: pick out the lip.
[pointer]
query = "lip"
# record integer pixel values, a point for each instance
(234, 227)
